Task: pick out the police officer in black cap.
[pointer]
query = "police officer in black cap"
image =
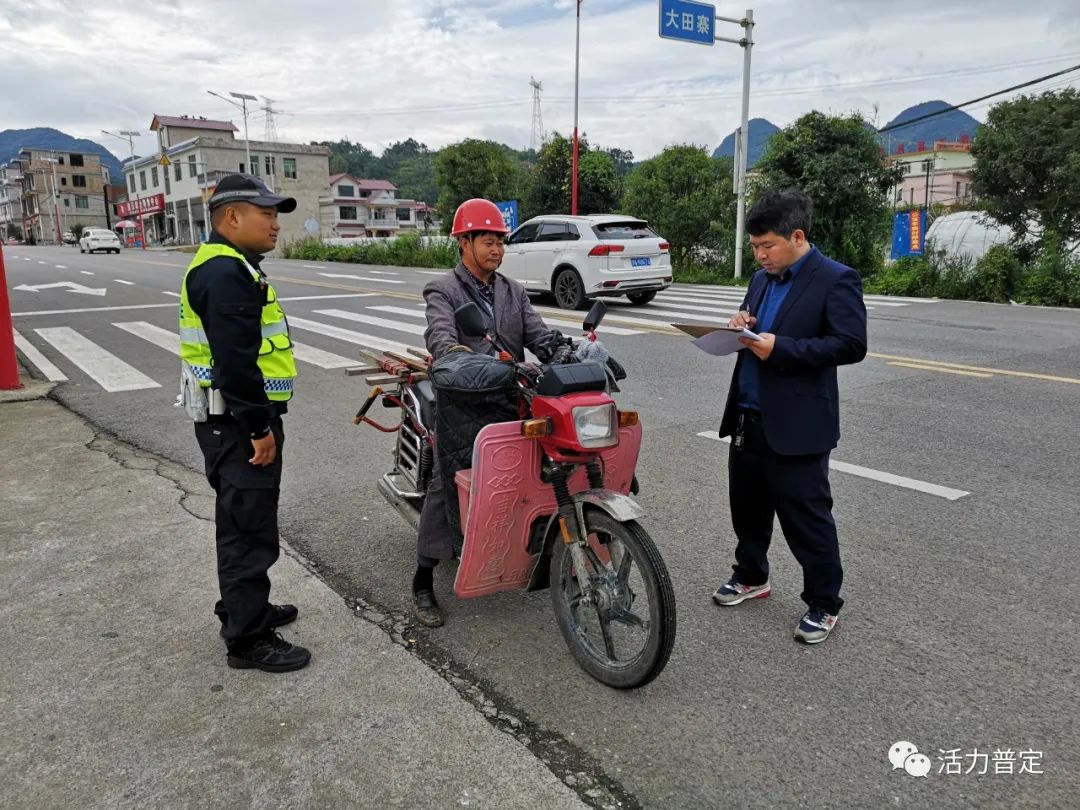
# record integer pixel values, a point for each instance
(234, 340)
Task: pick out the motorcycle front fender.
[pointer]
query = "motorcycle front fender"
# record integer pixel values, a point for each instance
(621, 507)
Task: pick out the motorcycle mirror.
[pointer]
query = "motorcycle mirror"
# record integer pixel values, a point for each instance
(470, 320)
(596, 314)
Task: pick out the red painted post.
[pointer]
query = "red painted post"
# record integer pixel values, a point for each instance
(9, 369)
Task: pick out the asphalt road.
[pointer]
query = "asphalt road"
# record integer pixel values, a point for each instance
(958, 528)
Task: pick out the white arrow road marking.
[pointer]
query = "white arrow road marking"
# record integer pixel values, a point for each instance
(361, 278)
(71, 285)
(121, 281)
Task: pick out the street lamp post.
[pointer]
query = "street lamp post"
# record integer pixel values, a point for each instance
(577, 73)
(244, 99)
(129, 136)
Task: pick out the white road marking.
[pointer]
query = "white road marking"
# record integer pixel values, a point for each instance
(170, 341)
(348, 335)
(362, 278)
(410, 328)
(31, 353)
(937, 490)
(170, 292)
(384, 273)
(320, 358)
(86, 272)
(315, 266)
(614, 330)
(127, 283)
(326, 297)
(106, 369)
(41, 262)
(89, 309)
(60, 267)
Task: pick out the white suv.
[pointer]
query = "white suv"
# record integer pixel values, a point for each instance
(578, 258)
(99, 239)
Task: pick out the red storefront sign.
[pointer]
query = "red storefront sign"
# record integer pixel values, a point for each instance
(154, 204)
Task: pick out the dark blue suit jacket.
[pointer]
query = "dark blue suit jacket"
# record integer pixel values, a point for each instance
(821, 325)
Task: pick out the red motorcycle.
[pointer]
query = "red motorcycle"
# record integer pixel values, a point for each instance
(546, 503)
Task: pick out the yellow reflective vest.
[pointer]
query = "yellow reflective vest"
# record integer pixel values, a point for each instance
(275, 352)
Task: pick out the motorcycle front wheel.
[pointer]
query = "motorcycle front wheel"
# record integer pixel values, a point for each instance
(624, 633)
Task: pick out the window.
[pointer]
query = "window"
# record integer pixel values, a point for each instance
(78, 180)
(254, 165)
(958, 184)
(552, 232)
(241, 169)
(192, 168)
(76, 160)
(289, 167)
(131, 182)
(63, 181)
(271, 165)
(346, 191)
(631, 229)
(905, 168)
(82, 201)
(142, 180)
(60, 160)
(154, 177)
(526, 233)
(404, 214)
(347, 212)
(572, 233)
(67, 202)
(168, 188)
(178, 173)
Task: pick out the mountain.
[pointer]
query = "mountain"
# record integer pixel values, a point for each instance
(760, 132)
(950, 126)
(12, 140)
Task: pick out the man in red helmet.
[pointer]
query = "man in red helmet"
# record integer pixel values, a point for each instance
(480, 230)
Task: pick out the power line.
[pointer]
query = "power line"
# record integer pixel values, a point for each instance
(954, 107)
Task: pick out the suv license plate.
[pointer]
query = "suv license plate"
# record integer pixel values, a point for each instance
(640, 261)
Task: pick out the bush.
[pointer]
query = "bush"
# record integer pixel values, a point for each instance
(407, 250)
(1053, 278)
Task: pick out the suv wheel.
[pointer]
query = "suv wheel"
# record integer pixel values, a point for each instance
(640, 299)
(568, 289)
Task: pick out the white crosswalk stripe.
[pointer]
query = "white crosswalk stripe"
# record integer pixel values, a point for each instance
(371, 320)
(349, 336)
(35, 357)
(105, 368)
(170, 341)
(614, 330)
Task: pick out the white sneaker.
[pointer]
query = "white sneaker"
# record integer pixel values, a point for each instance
(734, 592)
(815, 626)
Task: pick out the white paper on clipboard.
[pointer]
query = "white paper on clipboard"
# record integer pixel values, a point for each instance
(717, 340)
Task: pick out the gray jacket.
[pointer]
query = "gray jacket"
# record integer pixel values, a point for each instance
(517, 324)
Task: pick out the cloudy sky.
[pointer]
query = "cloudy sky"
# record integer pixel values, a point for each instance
(378, 71)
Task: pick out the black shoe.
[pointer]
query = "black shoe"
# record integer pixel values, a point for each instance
(426, 609)
(280, 615)
(270, 654)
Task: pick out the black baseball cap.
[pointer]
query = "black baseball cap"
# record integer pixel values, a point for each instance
(250, 189)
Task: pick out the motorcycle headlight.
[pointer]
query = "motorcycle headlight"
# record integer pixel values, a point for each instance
(596, 425)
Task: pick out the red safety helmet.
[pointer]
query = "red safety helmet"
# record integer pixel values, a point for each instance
(478, 215)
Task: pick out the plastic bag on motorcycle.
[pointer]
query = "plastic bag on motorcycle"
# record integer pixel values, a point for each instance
(471, 391)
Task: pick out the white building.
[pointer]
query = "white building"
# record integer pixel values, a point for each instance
(10, 200)
(170, 188)
(357, 207)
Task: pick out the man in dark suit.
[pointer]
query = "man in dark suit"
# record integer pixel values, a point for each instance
(783, 410)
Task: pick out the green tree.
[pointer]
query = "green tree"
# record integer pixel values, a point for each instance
(1027, 165)
(686, 196)
(348, 157)
(598, 180)
(837, 161)
(474, 168)
(77, 230)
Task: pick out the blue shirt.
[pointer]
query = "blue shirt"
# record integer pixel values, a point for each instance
(776, 290)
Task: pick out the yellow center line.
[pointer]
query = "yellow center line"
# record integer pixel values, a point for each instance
(1005, 372)
(942, 370)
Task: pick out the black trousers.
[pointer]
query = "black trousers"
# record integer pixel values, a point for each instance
(795, 489)
(436, 539)
(247, 526)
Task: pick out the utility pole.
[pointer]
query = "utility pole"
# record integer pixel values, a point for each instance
(747, 44)
(577, 74)
(129, 135)
(928, 165)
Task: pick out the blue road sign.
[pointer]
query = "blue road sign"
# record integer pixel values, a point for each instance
(687, 21)
(510, 213)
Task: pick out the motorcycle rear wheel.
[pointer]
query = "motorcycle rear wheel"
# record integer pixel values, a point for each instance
(616, 638)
